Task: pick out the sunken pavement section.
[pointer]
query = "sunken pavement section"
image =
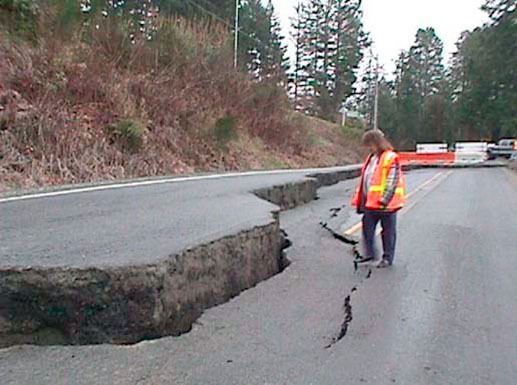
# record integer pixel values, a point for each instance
(130, 303)
(127, 304)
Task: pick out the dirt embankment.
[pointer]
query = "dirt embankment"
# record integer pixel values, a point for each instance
(92, 105)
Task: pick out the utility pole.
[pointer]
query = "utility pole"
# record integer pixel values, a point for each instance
(376, 104)
(236, 47)
(297, 62)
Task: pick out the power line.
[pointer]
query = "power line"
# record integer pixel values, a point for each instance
(231, 27)
(214, 15)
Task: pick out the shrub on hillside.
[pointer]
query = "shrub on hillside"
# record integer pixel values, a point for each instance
(19, 15)
(353, 130)
(158, 97)
(226, 129)
(130, 134)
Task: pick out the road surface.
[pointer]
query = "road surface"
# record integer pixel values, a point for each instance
(132, 224)
(446, 313)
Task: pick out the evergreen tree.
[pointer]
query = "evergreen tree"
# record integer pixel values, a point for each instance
(485, 76)
(387, 108)
(312, 54)
(330, 40)
(324, 69)
(274, 60)
(499, 10)
(350, 44)
(223, 9)
(366, 90)
(426, 62)
(420, 90)
(261, 48)
(298, 76)
(261, 42)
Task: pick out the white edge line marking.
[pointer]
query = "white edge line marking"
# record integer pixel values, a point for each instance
(162, 181)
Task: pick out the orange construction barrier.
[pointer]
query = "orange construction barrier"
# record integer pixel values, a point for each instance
(407, 158)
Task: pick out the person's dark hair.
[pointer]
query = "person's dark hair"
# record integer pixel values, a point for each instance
(377, 138)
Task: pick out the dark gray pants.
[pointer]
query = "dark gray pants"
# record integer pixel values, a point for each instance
(389, 233)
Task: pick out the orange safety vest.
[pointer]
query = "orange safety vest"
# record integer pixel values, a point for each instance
(378, 185)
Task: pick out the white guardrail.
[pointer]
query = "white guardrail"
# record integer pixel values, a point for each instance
(472, 147)
(465, 152)
(431, 148)
(471, 152)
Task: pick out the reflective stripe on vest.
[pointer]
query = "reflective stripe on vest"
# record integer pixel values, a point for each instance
(382, 189)
(377, 190)
(386, 160)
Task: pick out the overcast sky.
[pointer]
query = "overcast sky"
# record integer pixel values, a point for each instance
(393, 23)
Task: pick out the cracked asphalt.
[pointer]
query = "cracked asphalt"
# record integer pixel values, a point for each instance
(446, 313)
(135, 225)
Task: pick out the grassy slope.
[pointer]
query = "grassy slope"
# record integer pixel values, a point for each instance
(96, 107)
(327, 145)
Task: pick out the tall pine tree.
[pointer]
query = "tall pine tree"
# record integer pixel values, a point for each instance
(274, 60)
(298, 75)
(329, 44)
(419, 89)
(485, 76)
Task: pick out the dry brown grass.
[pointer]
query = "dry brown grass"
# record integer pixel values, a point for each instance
(98, 107)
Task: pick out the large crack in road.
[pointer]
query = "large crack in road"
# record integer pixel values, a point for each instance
(277, 332)
(358, 258)
(139, 301)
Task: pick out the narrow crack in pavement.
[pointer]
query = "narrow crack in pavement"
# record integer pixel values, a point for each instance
(348, 317)
(358, 260)
(347, 306)
(335, 211)
(283, 261)
(336, 235)
(286, 242)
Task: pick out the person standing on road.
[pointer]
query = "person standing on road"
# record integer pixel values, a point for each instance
(380, 194)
